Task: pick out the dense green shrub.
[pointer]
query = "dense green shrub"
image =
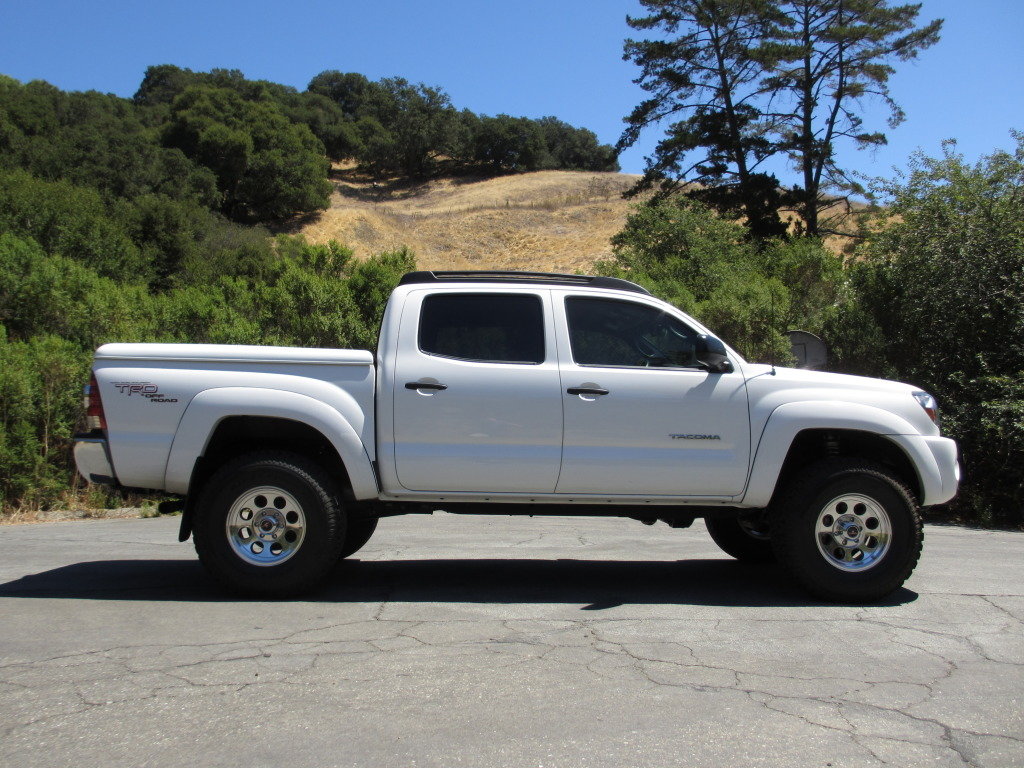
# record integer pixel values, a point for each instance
(40, 402)
(939, 301)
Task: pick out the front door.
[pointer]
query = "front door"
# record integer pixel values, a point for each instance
(641, 415)
(477, 398)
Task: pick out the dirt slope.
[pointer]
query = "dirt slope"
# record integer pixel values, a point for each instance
(546, 221)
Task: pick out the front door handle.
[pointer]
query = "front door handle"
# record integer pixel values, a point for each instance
(586, 391)
(424, 385)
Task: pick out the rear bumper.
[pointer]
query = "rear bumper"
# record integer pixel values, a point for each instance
(92, 457)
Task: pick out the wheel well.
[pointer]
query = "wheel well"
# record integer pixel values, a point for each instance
(240, 434)
(812, 445)
(236, 435)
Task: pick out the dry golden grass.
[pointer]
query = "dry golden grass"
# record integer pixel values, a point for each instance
(548, 221)
(557, 221)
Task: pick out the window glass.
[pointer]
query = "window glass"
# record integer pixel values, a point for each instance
(622, 333)
(490, 328)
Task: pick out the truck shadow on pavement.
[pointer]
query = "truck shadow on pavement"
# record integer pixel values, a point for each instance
(593, 584)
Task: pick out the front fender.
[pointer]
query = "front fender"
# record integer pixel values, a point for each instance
(789, 419)
(208, 408)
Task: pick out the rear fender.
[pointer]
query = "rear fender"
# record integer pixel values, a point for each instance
(208, 408)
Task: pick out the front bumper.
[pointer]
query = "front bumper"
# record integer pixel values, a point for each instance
(944, 452)
(92, 457)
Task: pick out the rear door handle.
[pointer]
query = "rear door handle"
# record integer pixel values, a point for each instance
(424, 385)
(586, 391)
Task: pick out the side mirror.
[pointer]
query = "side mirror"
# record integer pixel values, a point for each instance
(711, 352)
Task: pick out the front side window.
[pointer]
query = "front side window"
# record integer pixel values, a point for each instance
(607, 332)
(486, 328)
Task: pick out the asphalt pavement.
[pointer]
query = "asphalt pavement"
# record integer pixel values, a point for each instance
(493, 641)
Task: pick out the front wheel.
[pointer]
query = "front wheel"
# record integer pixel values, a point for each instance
(847, 530)
(269, 523)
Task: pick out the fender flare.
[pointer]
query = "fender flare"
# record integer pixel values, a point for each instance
(210, 407)
(789, 419)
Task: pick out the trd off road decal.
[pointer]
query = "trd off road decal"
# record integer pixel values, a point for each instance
(146, 389)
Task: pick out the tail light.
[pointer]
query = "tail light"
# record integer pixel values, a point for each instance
(94, 418)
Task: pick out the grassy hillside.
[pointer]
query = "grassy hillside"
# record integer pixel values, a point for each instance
(545, 221)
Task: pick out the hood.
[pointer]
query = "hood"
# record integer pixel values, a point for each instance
(768, 391)
(800, 377)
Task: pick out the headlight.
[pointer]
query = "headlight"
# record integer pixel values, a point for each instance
(930, 405)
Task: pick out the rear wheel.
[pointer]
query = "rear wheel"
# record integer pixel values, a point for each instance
(356, 536)
(269, 523)
(847, 530)
(746, 537)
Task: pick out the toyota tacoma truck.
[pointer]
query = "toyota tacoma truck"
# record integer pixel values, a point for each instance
(519, 394)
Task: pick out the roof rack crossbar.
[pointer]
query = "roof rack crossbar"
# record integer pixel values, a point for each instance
(549, 278)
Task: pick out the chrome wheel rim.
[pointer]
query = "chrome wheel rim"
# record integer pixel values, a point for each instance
(265, 526)
(853, 532)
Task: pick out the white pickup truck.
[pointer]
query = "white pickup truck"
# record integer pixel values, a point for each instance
(520, 394)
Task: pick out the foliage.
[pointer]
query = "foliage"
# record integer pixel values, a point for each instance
(509, 143)
(267, 167)
(400, 127)
(940, 295)
(95, 140)
(70, 220)
(370, 284)
(707, 78)
(40, 382)
(745, 81)
(824, 58)
(750, 294)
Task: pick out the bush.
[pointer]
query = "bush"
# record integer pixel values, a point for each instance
(940, 295)
(40, 402)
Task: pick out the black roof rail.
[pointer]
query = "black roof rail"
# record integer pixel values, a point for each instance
(546, 278)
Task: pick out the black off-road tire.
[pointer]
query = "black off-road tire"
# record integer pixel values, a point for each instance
(880, 509)
(297, 502)
(748, 541)
(358, 533)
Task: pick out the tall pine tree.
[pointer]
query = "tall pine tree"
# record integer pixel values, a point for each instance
(745, 81)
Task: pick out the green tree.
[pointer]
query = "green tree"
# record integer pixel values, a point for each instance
(575, 148)
(748, 80)
(510, 144)
(823, 59)
(346, 89)
(418, 122)
(95, 140)
(267, 167)
(703, 74)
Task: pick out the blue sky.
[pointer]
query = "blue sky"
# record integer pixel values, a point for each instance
(529, 57)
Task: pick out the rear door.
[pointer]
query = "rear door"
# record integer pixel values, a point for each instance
(477, 401)
(641, 416)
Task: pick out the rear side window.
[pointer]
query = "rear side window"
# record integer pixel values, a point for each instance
(485, 328)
